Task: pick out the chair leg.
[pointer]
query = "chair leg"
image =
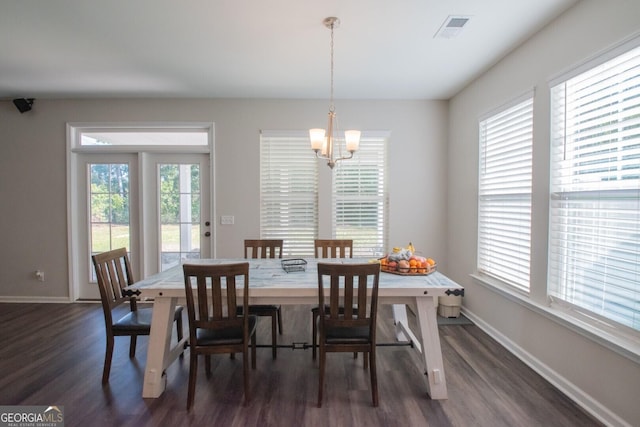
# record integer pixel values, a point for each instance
(314, 333)
(245, 371)
(274, 336)
(323, 357)
(254, 340)
(207, 364)
(279, 312)
(374, 377)
(132, 346)
(107, 361)
(193, 369)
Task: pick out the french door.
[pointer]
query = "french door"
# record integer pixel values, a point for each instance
(156, 205)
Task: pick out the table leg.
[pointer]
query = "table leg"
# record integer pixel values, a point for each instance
(431, 350)
(400, 317)
(158, 352)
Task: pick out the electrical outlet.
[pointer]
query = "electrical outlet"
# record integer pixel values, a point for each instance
(40, 275)
(227, 220)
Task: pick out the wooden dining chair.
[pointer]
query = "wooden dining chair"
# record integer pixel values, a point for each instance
(214, 325)
(352, 328)
(113, 272)
(327, 248)
(333, 248)
(266, 248)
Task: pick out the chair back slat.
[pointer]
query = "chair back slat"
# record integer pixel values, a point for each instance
(348, 296)
(263, 248)
(333, 248)
(362, 290)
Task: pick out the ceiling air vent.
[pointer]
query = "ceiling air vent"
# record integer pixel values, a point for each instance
(452, 26)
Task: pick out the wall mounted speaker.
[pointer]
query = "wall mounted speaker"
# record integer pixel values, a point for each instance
(23, 104)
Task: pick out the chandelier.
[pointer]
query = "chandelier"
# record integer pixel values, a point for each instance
(325, 141)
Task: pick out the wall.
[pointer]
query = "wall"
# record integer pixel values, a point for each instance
(33, 172)
(604, 381)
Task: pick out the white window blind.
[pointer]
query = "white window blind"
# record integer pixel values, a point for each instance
(288, 191)
(504, 203)
(360, 199)
(594, 246)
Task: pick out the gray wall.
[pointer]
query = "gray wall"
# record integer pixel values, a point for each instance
(603, 380)
(33, 174)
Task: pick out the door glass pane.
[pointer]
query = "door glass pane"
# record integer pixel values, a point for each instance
(109, 208)
(179, 213)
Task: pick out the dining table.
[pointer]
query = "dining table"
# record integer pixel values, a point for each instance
(270, 283)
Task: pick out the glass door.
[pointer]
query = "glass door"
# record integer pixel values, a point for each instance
(155, 205)
(180, 208)
(107, 211)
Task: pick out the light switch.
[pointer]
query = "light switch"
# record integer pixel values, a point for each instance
(227, 220)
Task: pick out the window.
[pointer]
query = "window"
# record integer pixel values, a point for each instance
(504, 203)
(594, 245)
(360, 198)
(289, 188)
(142, 137)
(288, 191)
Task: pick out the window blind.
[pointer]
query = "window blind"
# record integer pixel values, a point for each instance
(360, 198)
(288, 191)
(594, 245)
(504, 202)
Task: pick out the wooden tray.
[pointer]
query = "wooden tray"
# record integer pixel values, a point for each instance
(399, 273)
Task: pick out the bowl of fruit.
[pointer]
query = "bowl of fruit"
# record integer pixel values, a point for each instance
(405, 261)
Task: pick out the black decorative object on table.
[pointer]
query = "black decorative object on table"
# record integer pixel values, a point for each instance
(295, 264)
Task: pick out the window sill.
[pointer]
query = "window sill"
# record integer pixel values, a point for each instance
(623, 344)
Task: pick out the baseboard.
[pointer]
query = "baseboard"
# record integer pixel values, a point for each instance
(585, 401)
(35, 300)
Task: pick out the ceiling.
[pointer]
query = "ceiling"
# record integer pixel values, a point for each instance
(384, 49)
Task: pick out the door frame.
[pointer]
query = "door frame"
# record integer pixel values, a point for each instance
(76, 200)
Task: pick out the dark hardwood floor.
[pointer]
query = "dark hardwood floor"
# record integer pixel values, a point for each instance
(52, 354)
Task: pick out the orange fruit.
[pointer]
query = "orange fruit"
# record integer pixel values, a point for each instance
(431, 262)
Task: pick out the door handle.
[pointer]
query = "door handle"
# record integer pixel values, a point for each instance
(207, 234)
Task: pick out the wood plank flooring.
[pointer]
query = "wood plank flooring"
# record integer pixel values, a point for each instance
(52, 354)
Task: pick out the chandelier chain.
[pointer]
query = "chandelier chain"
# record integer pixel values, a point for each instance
(331, 105)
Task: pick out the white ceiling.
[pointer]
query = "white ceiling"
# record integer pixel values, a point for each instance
(384, 49)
